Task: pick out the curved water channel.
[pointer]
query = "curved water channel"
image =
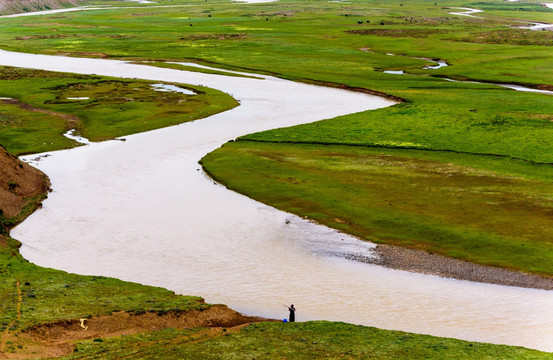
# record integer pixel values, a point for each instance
(529, 25)
(441, 64)
(141, 210)
(466, 11)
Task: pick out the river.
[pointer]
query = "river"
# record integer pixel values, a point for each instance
(142, 210)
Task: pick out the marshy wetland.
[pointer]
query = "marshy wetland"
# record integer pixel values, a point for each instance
(456, 169)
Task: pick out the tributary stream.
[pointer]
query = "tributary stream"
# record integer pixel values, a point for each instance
(142, 210)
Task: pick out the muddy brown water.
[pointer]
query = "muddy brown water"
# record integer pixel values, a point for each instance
(143, 211)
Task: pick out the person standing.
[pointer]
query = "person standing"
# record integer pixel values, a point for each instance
(292, 317)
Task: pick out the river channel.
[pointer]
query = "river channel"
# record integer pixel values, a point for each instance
(142, 210)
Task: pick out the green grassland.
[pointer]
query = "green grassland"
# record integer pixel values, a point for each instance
(318, 39)
(31, 295)
(488, 210)
(50, 295)
(287, 35)
(310, 340)
(351, 44)
(98, 108)
(457, 168)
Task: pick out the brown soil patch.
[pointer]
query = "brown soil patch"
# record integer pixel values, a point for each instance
(57, 339)
(545, 87)
(18, 182)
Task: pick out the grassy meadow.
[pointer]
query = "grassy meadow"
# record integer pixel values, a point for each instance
(310, 340)
(456, 168)
(46, 295)
(98, 108)
(351, 44)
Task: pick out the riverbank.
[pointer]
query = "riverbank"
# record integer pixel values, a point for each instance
(154, 322)
(40, 308)
(276, 244)
(395, 257)
(57, 339)
(423, 262)
(426, 119)
(302, 341)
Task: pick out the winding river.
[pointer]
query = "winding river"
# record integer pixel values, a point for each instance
(142, 210)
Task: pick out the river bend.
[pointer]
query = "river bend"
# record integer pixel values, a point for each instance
(143, 211)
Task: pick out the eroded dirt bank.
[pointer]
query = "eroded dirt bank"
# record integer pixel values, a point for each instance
(19, 185)
(57, 339)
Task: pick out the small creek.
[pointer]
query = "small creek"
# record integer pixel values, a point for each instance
(466, 11)
(539, 26)
(443, 64)
(530, 25)
(143, 211)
